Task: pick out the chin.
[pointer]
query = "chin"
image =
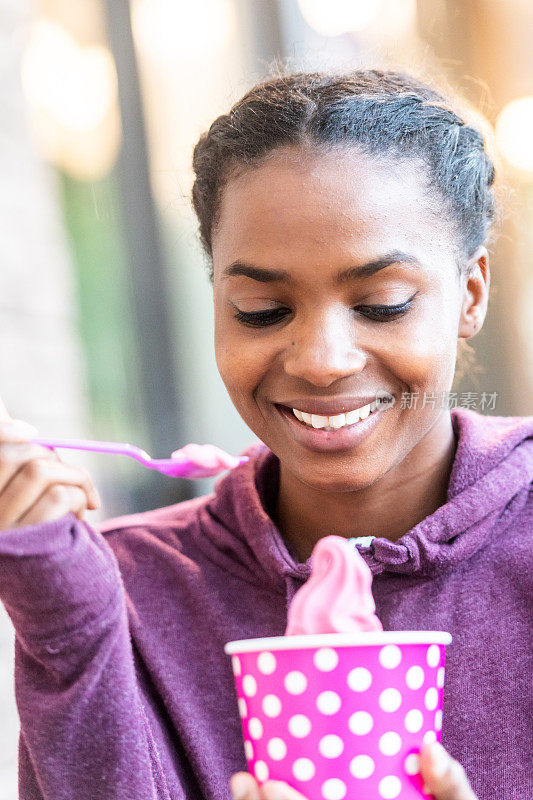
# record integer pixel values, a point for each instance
(337, 481)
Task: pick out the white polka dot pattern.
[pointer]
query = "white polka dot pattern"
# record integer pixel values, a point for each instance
(390, 700)
(331, 746)
(295, 682)
(272, 705)
(415, 677)
(431, 699)
(249, 685)
(325, 659)
(266, 663)
(277, 749)
(338, 722)
(261, 771)
(362, 766)
(300, 726)
(303, 769)
(390, 743)
(359, 679)
(412, 764)
(328, 702)
(433, 655)
(414, 720)
(248, 749)
(390, 787)
(361, 723)
(390, 656)
(333, 789)
(255, 727)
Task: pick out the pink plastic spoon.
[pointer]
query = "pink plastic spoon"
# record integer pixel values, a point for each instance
(191, 461)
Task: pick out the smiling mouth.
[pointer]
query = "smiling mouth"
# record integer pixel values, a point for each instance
(337, 421)
(333, 423)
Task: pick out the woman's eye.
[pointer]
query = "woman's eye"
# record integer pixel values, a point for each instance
(381, 313)
(261, 318)
(385, 313)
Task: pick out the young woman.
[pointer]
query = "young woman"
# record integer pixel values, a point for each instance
(346, 221)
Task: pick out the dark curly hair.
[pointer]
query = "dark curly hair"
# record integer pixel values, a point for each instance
(382, 112)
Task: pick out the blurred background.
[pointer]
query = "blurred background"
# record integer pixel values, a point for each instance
(106, 321)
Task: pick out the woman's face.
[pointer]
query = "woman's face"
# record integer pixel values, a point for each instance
(310, 339)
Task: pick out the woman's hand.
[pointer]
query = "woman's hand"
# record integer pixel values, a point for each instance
(35, 485)
(443, 777)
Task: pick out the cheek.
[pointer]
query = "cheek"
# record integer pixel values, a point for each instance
(241, 363)
(423, 356)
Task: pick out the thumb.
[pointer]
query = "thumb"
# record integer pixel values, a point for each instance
(244, 787)
(443, 776)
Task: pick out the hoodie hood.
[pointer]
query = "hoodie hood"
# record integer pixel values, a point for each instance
(489, 485)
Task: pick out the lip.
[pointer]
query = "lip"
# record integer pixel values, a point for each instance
(331, 441)
(330, 407)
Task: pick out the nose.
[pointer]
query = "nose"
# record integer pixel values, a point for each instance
(321, 351)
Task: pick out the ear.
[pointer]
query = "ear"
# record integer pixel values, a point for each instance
(475, 283)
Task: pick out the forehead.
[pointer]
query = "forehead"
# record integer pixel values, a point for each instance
(328, 202)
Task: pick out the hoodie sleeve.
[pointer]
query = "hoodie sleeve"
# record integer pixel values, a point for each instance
(84, 733)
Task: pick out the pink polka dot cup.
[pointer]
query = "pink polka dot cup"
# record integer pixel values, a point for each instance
(341, 715)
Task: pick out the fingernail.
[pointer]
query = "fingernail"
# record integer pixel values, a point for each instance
(239, 787)
(440, 759)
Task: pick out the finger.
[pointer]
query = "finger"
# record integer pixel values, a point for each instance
(279, 790)
(14, 456)
(57, 501)
(244, 787)
(35, 478)
(16, 430)
(443, 776)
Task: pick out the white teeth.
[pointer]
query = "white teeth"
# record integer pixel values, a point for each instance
(337, 421)
(364, 412)
(352, 417)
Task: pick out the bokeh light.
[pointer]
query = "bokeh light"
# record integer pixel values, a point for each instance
(72, 94)
(334, 17)
(76, 85)
(173, 32)
(514, 133)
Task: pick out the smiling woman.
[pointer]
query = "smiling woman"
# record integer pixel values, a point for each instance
(346, 221)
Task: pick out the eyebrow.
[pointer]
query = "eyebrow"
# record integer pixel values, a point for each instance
(264, 275)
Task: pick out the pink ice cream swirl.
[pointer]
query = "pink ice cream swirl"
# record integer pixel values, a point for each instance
(337, 598)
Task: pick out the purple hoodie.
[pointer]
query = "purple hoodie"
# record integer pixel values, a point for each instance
(123, 687)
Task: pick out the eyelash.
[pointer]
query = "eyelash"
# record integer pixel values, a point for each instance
(377, 314)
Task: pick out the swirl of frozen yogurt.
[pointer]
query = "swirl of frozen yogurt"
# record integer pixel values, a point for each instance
(209, 459)
(337, 598)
